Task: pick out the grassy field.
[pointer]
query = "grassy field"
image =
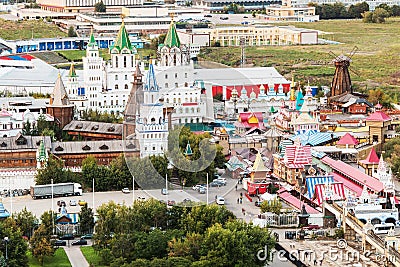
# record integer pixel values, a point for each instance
(91, 256)
(23, 30)
(376, 61)
(60, 259)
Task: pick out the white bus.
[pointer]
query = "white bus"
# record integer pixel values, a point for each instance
(383, 228)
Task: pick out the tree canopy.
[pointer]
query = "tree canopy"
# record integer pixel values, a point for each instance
(149, 234)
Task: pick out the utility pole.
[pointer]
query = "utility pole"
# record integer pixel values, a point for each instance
(243, 55)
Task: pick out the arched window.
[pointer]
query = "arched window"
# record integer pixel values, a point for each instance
(116, 87)
(174, 100)
(176, 84)
(166, 76)
(176, 75)
(126, 86)
(116, 77)
(124, 61)
(174, 60)
(166, 60)
(166, 85)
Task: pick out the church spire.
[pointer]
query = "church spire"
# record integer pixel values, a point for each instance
(135, 97)
(151, 83)
(172, 39)
(92, 42)
(59, 96)
(72, 72)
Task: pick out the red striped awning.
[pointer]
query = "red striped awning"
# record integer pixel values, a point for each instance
(324, 192)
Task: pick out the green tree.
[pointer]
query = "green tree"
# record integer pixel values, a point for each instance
(100, 7)
(379, 15)
(86, 220)
(26, 222)
(356, 11)
(274, 206)
(40, 244)
(16, 245)
(72, 32)
(28, 128)
(54, 170)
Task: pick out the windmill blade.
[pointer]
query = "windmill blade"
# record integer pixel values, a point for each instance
(355, 48)
(332, 54)
(354, 71)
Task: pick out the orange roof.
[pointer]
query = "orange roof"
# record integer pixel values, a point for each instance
(347, 139)
(378, 116)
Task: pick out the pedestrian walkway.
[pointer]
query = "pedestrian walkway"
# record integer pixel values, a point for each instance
(76, 257)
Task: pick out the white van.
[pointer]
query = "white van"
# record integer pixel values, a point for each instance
(383, 228)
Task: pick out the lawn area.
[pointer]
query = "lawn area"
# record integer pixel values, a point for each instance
(91, 256)
(60, 259)
(376, 60)
(23, 30)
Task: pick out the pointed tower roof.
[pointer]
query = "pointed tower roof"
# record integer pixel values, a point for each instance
(188, 150)
(135, 96)
(258, 165)
(172, 38)
(92, 42)
(382, 167)
(372, 157)
(122, 42)
(379, 116)
(41, 154)
(72, 72)
(59, 97)
(151, 83)
(347, 139)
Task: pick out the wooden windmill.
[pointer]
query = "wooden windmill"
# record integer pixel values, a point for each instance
(341, 82)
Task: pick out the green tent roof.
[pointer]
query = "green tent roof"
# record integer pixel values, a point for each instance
(172, 38)
(122, 40)
(188, 150)
(92, 41)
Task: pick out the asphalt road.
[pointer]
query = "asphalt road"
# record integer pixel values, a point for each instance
(38, 206)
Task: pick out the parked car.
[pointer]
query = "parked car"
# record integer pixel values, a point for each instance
(125, 190)
(164, 191)
(220, 181)
(87, 236)
(79, 242)
(72, 202)
(220, 201)
(67, 237)
(59, 243)
(214, 184)
(82, 202)
(258, 203)
(171, 202)
(224, 18)
(196, 187)
(202, 190)
(208, 16)
(245, 17)
(61, 203)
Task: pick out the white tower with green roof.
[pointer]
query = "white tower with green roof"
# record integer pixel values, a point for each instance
(172, 52)
(93, 76)
(123, 63)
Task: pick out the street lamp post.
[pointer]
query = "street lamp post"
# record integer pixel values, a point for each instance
(93, 193)
(52, 203)
(133, 189)
(6, 241)
(207, 187)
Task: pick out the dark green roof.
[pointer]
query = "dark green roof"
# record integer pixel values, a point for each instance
(122, 40)
(172, 38)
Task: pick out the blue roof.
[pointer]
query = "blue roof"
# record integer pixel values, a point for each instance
(3, 212)
(313, 138)
(312, 181)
